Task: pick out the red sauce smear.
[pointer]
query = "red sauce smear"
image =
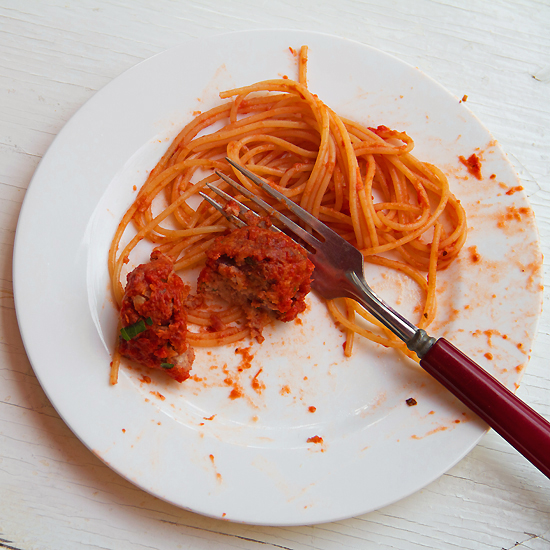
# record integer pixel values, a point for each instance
(513, 190)
(236, 392)
(473, 164)
(246, 361)
(431, 432)
(512, 213)
(257, 384)
(158, 394)
(218, 475)
(474, 254)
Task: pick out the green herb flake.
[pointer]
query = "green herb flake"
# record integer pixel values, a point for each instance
(149, 321)
(131, 331)
(167, 365)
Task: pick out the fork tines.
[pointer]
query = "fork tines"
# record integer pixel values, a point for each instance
(275, 214)
(315, 224)
(229, 215)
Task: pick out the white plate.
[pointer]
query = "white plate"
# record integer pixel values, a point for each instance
(248, 459)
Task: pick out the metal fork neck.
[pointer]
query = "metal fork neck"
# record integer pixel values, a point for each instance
(417, 339)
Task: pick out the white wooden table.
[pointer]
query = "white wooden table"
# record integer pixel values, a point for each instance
(55, 494)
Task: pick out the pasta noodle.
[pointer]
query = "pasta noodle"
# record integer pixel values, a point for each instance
(362, 182)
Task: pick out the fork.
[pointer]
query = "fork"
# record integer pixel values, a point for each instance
(339, 274)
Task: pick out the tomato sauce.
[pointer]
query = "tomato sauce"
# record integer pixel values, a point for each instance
(473, 164)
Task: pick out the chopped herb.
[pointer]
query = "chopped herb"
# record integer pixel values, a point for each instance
(149, 321)
(131, 331)
(167, 365)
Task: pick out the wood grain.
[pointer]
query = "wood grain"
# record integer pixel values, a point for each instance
(54, 493)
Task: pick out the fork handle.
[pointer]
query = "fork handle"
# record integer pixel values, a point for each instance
(516, 422)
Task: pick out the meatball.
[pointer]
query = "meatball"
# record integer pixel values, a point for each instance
(154, 319)
(264, 271)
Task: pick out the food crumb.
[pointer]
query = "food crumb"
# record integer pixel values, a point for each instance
(464, 99)
(411, 402)
(246, 361)
(474, 254)
(473, 164)
(512, 213)
(235, 393)
(257, 384)
(312, 409)
(489, 356)
(315, 439)
(515, 189)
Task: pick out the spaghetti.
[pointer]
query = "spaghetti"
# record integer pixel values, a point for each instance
(362, 182)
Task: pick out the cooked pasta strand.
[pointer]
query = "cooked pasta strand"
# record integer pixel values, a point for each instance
(363, 182)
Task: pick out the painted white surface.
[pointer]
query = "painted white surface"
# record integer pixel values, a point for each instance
(54, 494)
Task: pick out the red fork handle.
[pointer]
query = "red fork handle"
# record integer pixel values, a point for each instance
(521, 426)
